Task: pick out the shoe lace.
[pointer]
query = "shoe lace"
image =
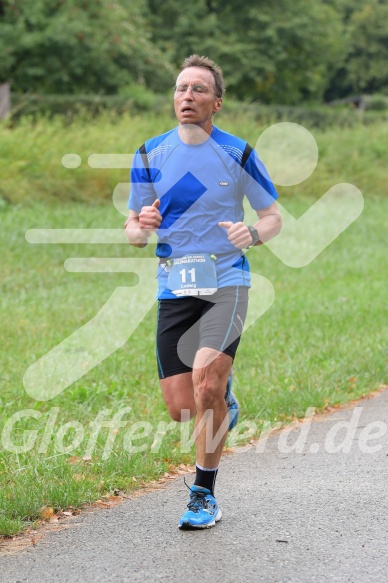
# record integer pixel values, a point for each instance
(197, 499)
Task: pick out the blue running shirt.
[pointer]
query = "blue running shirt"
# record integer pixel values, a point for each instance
(198, 186)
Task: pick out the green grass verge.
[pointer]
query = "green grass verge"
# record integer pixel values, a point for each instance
(32, 151)
(322, 342)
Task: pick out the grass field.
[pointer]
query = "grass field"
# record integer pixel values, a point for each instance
(322, 342)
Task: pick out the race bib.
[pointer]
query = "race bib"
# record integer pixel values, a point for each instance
(193, 275)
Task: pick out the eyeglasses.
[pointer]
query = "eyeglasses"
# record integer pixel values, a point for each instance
(198, 89)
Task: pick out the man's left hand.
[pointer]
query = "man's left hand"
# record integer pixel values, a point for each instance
(238, 234)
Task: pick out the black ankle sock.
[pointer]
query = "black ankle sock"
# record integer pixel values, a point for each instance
(206, 478)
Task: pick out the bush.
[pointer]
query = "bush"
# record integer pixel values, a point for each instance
(377, 102)
(134, 98)
(311, 117)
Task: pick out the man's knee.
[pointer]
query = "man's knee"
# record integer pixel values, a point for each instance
(210, 379)
(180, 415)
(208, 390)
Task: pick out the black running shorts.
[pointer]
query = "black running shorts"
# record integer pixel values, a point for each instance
(187, 324)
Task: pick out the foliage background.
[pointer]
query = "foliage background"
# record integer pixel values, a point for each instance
(281, 52)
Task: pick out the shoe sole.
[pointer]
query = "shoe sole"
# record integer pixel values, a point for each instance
(189, 526)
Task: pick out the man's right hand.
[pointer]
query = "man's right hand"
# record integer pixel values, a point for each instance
(150, 217)
(139, 227)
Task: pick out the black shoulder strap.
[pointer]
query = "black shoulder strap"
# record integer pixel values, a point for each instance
(144, 157)
(247, 152)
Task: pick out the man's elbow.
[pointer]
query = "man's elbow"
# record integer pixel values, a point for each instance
(134, 239)
(278, 224)
(139, 245)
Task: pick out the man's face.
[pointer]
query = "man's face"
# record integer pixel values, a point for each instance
(194, 99)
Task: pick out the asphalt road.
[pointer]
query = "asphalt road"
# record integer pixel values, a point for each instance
(317, 514)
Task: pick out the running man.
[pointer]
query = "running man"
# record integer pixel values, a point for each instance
(188, 185)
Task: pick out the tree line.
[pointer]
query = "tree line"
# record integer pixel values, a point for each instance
(288, 51)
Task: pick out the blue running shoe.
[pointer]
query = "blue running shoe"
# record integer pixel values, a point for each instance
(202, 510)
(231, 403)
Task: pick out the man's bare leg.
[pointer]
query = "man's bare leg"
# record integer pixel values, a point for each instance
(178, 394)
(210, 376)
(202, 392)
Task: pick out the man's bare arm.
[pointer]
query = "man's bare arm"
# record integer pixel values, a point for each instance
(269, 224)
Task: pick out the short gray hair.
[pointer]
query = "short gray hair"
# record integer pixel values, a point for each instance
(206, 63)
